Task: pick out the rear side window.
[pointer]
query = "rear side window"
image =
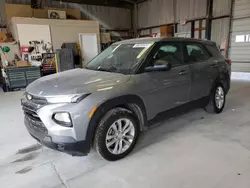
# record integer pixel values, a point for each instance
(196, 53)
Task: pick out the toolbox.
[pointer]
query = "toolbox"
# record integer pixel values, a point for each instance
(21, 77)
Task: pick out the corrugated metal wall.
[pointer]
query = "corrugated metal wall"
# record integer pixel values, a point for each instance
(220, 27)
(24, 2)
(145, 32)
(155, 12)
(159, 12)
(220, 30)
(221, 7)
(190, 9)
(240, 36)
(184, 28)
(2, 13)
(109, 17)
(241, 9)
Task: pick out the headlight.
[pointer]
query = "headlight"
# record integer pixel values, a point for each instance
(62, 118)
(66, 98)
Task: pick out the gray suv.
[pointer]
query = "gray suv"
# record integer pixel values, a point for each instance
(110, 101)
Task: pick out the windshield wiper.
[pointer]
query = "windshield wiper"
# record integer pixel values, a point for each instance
(111, 68)
(102, 69)
(117, 69)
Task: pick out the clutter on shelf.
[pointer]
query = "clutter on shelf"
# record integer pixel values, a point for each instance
(23, 64)
(6, 37)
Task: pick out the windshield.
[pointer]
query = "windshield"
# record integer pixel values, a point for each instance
(119, 58)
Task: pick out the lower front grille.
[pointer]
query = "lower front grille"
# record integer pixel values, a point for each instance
(33, 119)
(39, 126)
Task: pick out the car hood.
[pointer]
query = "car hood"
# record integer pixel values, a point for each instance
(77, 81)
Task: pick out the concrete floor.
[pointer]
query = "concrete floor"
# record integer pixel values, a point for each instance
(192, 151)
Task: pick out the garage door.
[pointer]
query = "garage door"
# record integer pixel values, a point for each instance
(239, 51)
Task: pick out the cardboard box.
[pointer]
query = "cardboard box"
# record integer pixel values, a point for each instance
(167, 31)
(105, 38)
(3, 37)
(23, 64)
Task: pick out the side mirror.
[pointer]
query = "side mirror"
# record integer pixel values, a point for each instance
(154, 68)
(159, 65)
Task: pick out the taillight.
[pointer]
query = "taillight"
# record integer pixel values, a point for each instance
(229, 62)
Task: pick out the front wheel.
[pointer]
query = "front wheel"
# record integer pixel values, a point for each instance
(116, 134)
(217, 100)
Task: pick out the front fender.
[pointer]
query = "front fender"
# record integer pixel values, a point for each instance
(121, 101)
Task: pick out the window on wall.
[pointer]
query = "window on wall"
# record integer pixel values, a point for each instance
(196, 53)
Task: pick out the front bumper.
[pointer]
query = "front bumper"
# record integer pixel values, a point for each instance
(64, 143)
(40, 125)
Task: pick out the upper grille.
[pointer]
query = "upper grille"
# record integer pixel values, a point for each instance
(36, 99)
(31, 113)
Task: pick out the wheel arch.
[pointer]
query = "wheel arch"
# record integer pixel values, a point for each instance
(132, 103)
(223, 79)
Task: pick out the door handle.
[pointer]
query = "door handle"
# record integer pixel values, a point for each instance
(182, 72)
(214, 65)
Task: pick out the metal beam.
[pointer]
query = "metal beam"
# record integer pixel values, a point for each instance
(209, 17)
(110, 3)
(140, 1)
(230, 28)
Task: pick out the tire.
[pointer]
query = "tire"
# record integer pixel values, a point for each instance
(213, 106)
(106, 129)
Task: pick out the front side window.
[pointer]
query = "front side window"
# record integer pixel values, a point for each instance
(119, 58)
(168, 53)
(196, 53)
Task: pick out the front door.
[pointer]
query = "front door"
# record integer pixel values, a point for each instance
(163, 90)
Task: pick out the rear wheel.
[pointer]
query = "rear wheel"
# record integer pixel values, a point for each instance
(116, 134)
(217, 100)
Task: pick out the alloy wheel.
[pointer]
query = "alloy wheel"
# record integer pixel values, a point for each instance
(120, 136)
(219, 97)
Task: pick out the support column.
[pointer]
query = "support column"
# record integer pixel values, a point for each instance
(209, 17)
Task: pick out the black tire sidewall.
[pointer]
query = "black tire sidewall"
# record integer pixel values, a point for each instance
(216, 109)
(103, 127)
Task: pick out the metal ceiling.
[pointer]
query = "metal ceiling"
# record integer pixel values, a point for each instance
(111, 3)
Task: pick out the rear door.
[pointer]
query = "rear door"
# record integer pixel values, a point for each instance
(203, 67)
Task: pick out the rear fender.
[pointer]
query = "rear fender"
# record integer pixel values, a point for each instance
(223, 79)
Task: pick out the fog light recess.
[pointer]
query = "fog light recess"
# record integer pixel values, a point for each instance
(62, 118)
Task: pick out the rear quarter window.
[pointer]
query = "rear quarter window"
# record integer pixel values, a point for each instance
(214, 51)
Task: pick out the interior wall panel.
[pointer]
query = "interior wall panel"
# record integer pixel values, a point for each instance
(220, 30)
(2, 13)
(241, 9)
(190, 9)
(184, 28)
(221, 7)
(109, 17)
(145, 32)
(160, 12)
(155, 12)
(240, 36)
